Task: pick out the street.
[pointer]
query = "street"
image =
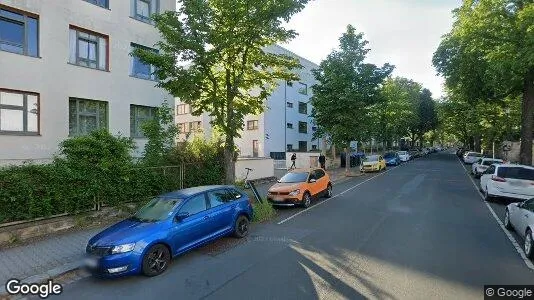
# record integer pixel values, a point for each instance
(417, 231)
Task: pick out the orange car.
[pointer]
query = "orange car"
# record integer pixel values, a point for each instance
(299, 186)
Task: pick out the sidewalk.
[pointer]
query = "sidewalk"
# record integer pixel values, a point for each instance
(53, 256)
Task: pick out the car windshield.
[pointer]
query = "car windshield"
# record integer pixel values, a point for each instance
(294, 177)
(156, 210)
(490, 162)
(516, 173)
(474, 154)
(402, 152)
(371, 158)
(389, 155)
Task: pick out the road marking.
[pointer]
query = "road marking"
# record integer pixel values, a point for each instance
(518, 248)
(323, 202)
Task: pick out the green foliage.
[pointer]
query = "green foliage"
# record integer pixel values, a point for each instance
(161, 133)
(348, 88)
(228, 73)
(263, 211)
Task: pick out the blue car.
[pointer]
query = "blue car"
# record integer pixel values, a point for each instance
(167, 226)
(392, 159)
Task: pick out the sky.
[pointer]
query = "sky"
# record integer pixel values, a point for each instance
(404, 33)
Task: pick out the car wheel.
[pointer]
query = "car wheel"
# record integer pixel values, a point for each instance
(529, 252)
(241, 227)
(487, 196)
(156, 260)
(306, 200)
(507, 223)
(328, 193)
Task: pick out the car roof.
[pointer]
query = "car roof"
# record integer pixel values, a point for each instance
(489, 158)
(514, 165)
(185, 193)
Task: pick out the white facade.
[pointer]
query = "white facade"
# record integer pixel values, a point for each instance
(273, 134)
(55, 76)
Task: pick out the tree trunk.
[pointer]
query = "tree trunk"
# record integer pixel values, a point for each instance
(229, 160)
(347, 160)
(476, 141)
(527, 113)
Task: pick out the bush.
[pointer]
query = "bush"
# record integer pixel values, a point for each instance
(263, 211)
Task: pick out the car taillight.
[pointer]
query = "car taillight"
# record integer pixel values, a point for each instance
(497, 178)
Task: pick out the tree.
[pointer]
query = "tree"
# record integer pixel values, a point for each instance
(160, 132)
(347, 89)
(487, 57)
(228, 73)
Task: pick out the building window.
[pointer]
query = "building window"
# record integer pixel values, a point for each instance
(252, 125)
(255, 148)
(88, 49)
(19, 32)
(182, 127)
(142, 10)
(139, 115)
(314, 147)
(183, 109)
(289, 104)
(101, 3)
(289, 147)
(190, 127)
(314, 128)
(19, 113)
(289, 125)
(303, 108)
(303, 127)
(303, 88)
(138, 68)
(86, 116)
(303, 146)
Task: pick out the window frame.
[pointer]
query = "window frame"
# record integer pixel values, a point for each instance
(98, 117)
(289, 126)
(95, 2)
(301, 148)
(142, 18)
(138, 133)
(152, 75)
(289, 147)
(303, 88)
(200, 195)
(98, 35)
(24, 22)
(255, 125)
(187, 109)
(305, 105)
(255, 146)
(289, 104)
(300, 129)
(25, 112)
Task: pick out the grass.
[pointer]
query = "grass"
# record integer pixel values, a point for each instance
(263, 211)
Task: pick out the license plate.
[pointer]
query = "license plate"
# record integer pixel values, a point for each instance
(91, 262)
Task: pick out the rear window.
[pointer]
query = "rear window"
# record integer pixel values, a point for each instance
(490, 162)
(516, 173)
(474, 154)
(372, 158)
(402, 152)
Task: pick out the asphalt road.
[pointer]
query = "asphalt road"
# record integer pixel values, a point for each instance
(417, 231)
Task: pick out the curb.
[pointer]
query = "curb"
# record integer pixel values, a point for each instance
(50, 274)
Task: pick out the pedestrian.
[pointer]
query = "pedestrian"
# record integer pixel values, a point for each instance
(322, 161)
(293, 161)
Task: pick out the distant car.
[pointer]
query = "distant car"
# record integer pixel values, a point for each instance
(167, 226)
(472, 157)
(373, 163)
(404, 156)
(483, 164)
(392, 159)
(299, 187)
(460, 152)
(520, 217)
(509, 181)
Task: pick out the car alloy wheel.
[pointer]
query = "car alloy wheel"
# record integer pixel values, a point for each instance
(528, 244)
(306, 200)
(156, 260)
(507, 223)
(241, 227)
(487, 197)
(329, 191)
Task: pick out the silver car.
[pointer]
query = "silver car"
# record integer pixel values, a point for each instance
(520, 217)
(472, 157)
(483, 164)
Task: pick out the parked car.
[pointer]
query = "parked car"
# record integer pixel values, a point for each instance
(520, 217)
(472, 157)
(167, 226)
(392, 159)
(460, 152)
(373, 163)
(483, 164)
(404, 156)
(508, 181)
(299, 187)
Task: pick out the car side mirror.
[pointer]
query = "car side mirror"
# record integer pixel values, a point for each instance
(181, 216)
(520, 204)
(313, 180)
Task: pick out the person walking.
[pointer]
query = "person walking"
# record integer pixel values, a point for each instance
(322, 161)
(293, 161)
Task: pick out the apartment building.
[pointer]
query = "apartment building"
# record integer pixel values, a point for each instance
(66, 69)
(285, 125)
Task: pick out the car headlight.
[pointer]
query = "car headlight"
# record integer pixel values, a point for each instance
(122, 248)
(294, 193)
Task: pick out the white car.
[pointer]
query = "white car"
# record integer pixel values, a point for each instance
(472, 157)
(520, 217)
(404, 156)
(509, 181)
(483, 164)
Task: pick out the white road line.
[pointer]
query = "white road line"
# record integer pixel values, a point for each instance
(323, 202)
(518, 248)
